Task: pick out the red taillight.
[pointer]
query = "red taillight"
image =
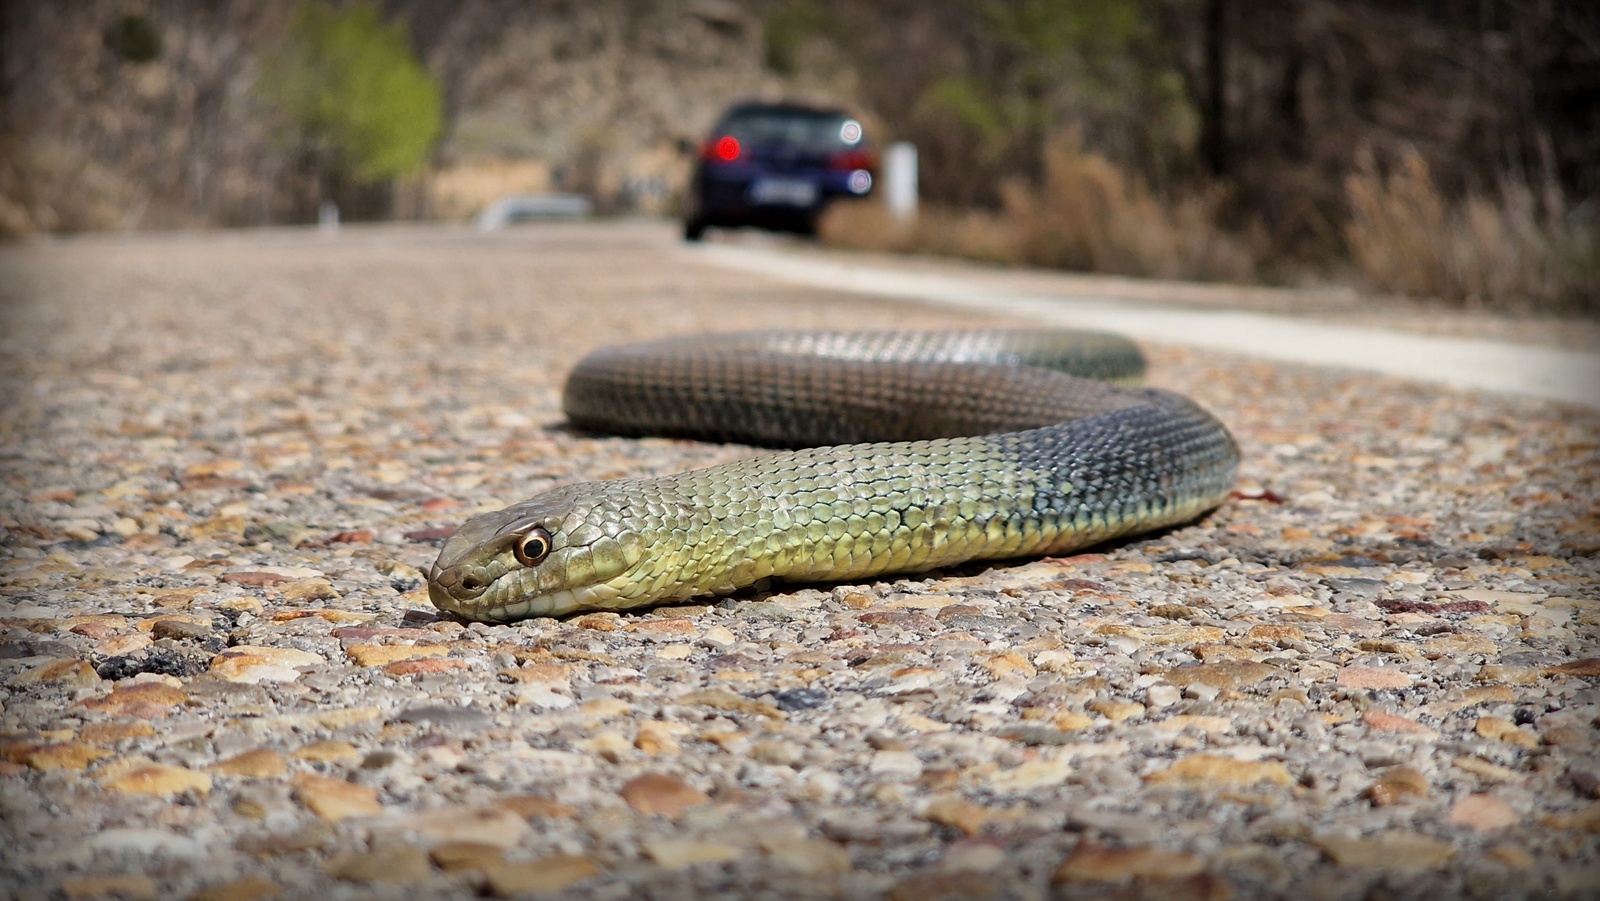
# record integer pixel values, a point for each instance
(852, 159)
(724, 149)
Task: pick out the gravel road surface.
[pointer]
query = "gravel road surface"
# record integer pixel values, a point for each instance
(226, 456)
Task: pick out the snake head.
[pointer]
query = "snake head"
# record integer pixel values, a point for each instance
(562, 551)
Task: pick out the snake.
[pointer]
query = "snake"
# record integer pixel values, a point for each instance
(903, 452)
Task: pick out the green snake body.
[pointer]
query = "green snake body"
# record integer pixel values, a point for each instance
(937, 448)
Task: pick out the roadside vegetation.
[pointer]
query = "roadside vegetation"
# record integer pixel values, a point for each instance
(1438, 150)
(1516, 250)
(1086, 214)
(358, 110)
(1446, 151)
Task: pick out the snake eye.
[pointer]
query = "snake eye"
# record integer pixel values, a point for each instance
(533, 547)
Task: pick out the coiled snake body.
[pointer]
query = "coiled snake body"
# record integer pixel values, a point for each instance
(923, 449)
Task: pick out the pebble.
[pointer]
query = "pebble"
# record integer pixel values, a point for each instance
(1162, 695)
(1397, 784)
(1487, 770)
(1031, 775)
(1502, 729)
(1071, 721)
(1588, 668)
(314, 837)
(249, 888)
(1587, 819)
(108, 733)
(551, 874)
(69, 755)
(252, 664)
(1009, 663)
(1482, 813)
(456, 857)
(978, 856)
(380, 655)
(497, 827)
(1210, 769)
(809, 856)
(536, 807)
(1364, 677)
(394, 865)
(181, 630)
(662, 794)
(143, 700)
(329, 751)
(895, 765)
(423, 666)
(335, 799)
(958, 813)
(1382, 721)
(68, 673)
(542, 697)
(678, 853)
(146, 842)
(123, 645)
(1394, 852)
(1117, 711)
(313, 589)
(160, 780)
(1093, 863)
(350, 716)
(1229, 675)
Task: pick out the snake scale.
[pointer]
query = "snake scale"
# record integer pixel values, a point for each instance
(919, 450)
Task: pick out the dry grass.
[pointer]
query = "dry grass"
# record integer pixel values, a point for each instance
(973, 234)
(48, 186)
(1088, 215)
(1092, 216)
(1518, 251)
(465, 189)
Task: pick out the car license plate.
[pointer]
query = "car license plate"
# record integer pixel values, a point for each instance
(783, 191)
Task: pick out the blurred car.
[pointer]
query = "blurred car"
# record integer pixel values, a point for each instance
(776, 166)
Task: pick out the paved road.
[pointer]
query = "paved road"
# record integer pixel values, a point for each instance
(227, 457)
(1555, 374)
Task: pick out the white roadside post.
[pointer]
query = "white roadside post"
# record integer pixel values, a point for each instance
(900, 180)
(328, 217)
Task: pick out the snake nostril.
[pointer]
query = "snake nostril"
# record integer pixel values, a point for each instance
(471, 583)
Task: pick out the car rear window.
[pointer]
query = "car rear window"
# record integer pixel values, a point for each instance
(811, 131)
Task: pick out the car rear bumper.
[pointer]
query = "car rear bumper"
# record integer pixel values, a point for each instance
(746, 198)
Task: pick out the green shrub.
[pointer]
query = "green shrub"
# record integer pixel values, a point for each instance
(787, 30)
(361, 102)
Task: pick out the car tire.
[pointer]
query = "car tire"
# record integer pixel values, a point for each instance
(694, 229)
